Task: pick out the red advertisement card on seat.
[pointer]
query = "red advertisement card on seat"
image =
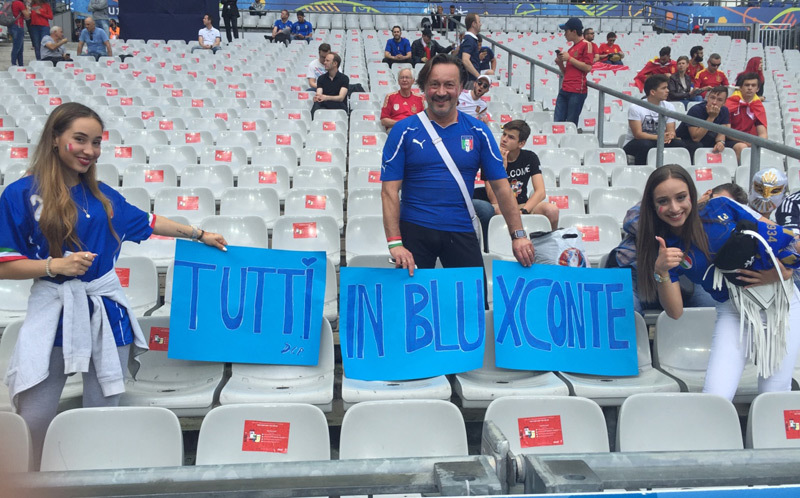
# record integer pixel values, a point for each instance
(540, 431)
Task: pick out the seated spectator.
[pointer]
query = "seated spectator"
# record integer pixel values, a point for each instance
(96, 41)
(681, 86)
(610, 52)
(332, 87)
(624, 255)
(398, 49)
(643, 123)
(401, 104)
(662, 64)
(53, 49)
(426, 47)
(470, 102)
(711, 76)
(747, 111)
(316, 68)
(437, 20)
(302, 29)
(695, 61)
(282, 29)
(755, 65)
(713, 110)
(521, 166)
(452, 19)
(257, 8)
(208, 37)
(488, 62)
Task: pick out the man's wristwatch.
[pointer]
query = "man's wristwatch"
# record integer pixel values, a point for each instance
(518, 234)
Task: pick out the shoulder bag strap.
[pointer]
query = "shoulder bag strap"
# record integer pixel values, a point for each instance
(448, 160)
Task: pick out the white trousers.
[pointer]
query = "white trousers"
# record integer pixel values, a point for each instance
(727, 359)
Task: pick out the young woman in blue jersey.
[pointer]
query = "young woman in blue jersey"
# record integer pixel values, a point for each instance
(62, 227)
(676, 238)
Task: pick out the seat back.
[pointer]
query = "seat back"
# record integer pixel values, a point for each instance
(246, 231)
(774, 421)
(417, 428)
(550, 424)
(139, 279)
(91, 438)
(253, 433)
(16, 452)
(678, 422)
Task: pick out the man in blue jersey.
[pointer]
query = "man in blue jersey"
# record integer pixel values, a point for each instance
(302, 29)
(432, 220)
(398, 49)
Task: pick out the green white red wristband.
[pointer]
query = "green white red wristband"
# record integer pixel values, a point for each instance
(394, 242)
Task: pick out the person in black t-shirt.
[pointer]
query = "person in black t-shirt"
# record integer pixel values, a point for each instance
(521, 166)
(711, 109)
(332, 86)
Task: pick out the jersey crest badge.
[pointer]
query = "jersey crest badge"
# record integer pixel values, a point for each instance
(467, 143)
(686, 263)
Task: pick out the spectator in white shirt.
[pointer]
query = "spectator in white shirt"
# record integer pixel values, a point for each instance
(208, 37)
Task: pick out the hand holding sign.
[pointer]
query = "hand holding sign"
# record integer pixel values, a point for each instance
(403, 259)
(668, 257)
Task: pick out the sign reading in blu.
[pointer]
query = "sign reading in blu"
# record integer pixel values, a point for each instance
(246, 305)
(396, 327)
(558, 318)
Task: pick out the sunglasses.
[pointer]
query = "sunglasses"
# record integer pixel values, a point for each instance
(483, 84)
(711, 64)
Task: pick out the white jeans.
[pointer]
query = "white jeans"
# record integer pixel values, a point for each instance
(727, 359)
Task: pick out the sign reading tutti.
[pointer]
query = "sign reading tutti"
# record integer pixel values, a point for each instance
(396, 327)
(246, 305)
(557, 318)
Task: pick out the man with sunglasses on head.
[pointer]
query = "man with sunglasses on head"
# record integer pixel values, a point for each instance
(96, 41)
(711, 76)
(470, 101)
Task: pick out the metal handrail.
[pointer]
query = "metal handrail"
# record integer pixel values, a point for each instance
(756, 142)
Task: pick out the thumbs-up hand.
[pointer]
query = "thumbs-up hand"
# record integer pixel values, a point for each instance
(668, 257)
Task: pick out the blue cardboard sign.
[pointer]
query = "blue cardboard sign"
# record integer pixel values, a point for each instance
(557, 318)
(246, 305)
(396, 327)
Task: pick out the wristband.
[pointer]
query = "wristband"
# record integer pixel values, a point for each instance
(394, 242)
(200, 238)
(47, 267)
(194, 234)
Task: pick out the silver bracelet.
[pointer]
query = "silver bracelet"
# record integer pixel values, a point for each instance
(194, 234)
(47, 267)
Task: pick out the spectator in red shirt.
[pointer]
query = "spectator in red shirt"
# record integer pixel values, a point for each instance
(41, 15)
(575, 63)
(747, 111)
(401, 104)
(711, 76)
(662, 64)
(17, 31)
(695, 61)
(610, 52)
(588, 35)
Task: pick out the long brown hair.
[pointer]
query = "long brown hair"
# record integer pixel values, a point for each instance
(650, 225)
(59, 212)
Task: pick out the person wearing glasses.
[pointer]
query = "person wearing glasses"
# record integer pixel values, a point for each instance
(711, 76)
(96, 41)
(401, 104)
(470, 101)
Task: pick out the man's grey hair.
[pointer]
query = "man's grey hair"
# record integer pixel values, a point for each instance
(54, 29)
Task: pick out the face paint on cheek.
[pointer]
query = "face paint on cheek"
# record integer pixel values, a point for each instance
(661, 209)
(68, 147)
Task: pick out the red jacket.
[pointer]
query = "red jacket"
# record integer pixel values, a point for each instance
(42, 16)
(654, 67)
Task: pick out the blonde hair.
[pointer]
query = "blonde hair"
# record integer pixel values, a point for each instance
(59, 212)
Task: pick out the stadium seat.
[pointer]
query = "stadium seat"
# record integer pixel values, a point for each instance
(139, 279)
(251, 201)
(197, 140)
(14, 172)
(498, 240)
(708, 177)
(477, 388)
(108, 174)
(315, 202)
(706, 422)
(305, 233)
(263, 176)
(122, 155)
(419, 428)
(319, 177)
(245, 230)
(705, 156)
(614, 201)
(600, 232)
(233, 157)
(193, 204)
(263, 432)
(584, 179)
(13, 300)
(612, 391)
(631, 176)
(151, 177)
(769, 159)
(187, 388)
(215, 176)
(672, 155)
(582, 427)
(607, 158)
(16, 452)
(681, 348)
(159, 249)
(363, 201)
(568, 200)
(91, 438)
(582, 143)
(317, 157)
(773, 421)
(136, 196)
(364, 236)
(250, 383)
(179, 156)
